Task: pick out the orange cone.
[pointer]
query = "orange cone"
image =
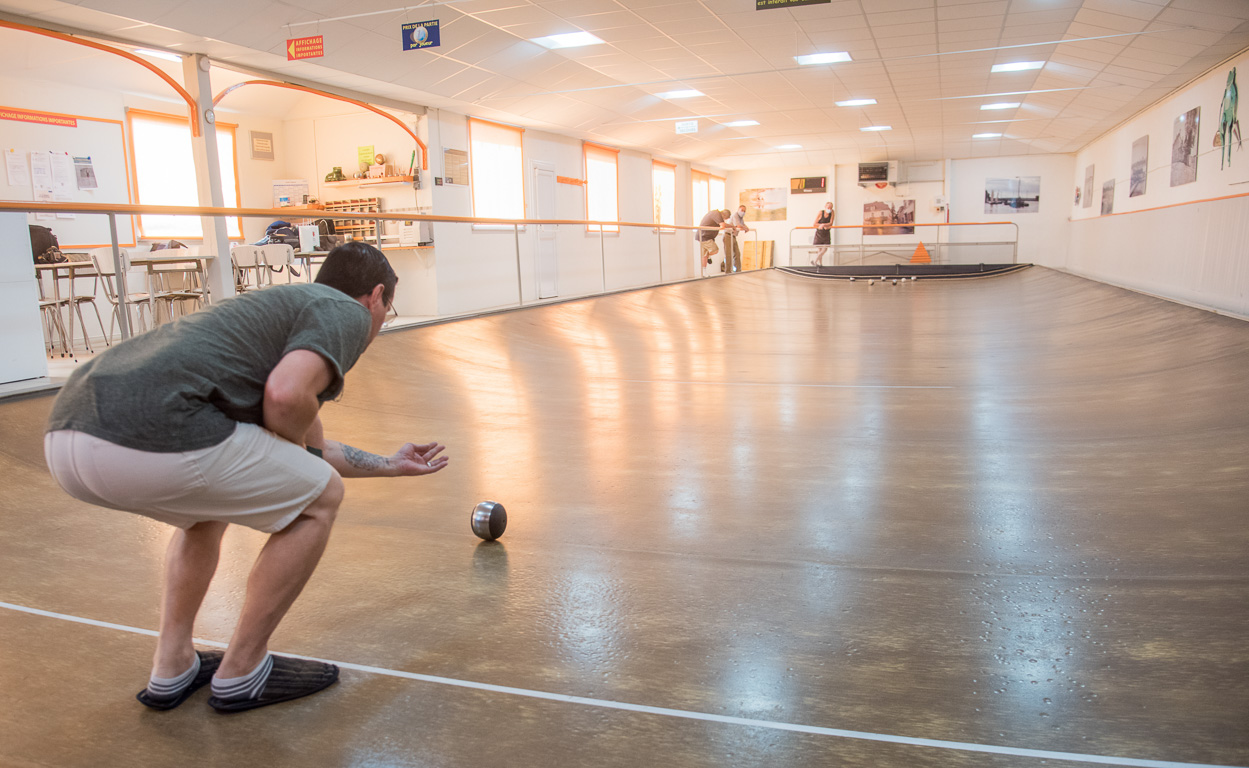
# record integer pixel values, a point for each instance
(921, 255)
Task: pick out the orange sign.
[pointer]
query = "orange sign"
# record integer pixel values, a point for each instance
(570, 180)
(305, 48)
(43, 118)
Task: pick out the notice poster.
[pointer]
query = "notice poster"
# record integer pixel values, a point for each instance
(41, 180)
(15, 167)
(84, 172)
(62, 173)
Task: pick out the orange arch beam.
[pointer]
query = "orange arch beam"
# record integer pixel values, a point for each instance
(124, 54)
(361, 104)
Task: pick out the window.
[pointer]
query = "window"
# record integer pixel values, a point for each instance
(164, 174)
(602, 194)
(664, 183)
(708, 194)
(498, 170)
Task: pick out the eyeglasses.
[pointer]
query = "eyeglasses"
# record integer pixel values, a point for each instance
(391, 313)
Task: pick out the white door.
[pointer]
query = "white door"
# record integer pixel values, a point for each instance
(547, 264)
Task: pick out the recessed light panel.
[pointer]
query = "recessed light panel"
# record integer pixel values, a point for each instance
(686, 94)
(822, 58)
(1018, 66)
(741, 123)
(1001, 105)
(877, 128)
(567, 40)
(790, 146)
(986, 135)
(855, 103)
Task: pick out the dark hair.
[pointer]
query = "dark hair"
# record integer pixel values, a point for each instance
(355, 268)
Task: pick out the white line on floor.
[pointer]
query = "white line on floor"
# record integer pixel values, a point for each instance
(681, 713)
(776, 384)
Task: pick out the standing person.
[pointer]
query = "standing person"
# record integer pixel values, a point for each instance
(212, 420)
(732, 249)
(823, 228)
(707, 237)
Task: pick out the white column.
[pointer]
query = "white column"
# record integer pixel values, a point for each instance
(208, 175)
(21, 335)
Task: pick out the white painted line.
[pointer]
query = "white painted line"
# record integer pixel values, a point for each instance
(771, 384)
(680, 713)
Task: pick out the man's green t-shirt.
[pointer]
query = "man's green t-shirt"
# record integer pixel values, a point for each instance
(184, 385)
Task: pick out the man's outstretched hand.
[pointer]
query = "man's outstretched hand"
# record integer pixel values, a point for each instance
(414, 459)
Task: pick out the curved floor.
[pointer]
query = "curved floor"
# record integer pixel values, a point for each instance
(1008, 512)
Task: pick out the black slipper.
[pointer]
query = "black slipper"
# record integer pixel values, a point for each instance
(208, 663)
(289, 679)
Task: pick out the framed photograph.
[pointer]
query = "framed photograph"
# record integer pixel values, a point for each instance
(1108, 197)
(1184, 147)
(765, 204)
(1140, 167)
(1019, 194)
(1088, 186)
(893, 218)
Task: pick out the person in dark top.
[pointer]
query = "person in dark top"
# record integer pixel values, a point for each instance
(823, 230)
(707, 237)
(212, 420)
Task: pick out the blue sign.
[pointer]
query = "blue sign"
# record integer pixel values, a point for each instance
(420, 34)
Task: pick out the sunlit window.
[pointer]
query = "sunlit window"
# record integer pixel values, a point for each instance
(498, 172)
(664, 184)
(601, 186)
(708, 194)
(164, 174)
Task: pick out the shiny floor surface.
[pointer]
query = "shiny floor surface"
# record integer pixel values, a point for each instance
(784, 521)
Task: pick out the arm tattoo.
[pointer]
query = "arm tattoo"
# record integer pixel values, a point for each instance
(363, 459)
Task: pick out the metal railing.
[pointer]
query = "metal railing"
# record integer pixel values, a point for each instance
(223, 267)
(941, 251)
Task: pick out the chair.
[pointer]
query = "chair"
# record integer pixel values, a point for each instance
(249, 267)
(191, 288)
(77, 299)
(278, 257)
(50, 313)
(138, 299)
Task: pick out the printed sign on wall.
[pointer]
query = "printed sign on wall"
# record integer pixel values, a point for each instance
(420, 34)
(305, 48)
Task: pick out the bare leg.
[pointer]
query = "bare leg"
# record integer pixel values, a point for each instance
(190, 563)
(279, 575)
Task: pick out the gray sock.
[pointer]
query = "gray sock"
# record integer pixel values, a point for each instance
(169, 688)
(248, 686)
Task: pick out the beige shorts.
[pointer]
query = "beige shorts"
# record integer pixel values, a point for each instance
(253, 478)
(708, 248)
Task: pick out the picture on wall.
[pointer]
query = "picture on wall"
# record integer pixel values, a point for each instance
(1088, 186)
(894, 218)
(1108, 197)
(1020, 194)
(1229, 125)
(1140, 167)
(764, 204)
(1184, 148)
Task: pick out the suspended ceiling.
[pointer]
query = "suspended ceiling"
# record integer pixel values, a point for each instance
(927, 63)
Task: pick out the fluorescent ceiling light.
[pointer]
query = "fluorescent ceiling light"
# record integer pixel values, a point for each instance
(790, 146)
(855, 103)
(686, 94)
(822, 58)
(158, 54)
(877, 128)
(1018, 66)
(741, 123)
(567, 40)
(1001, 105)
(986, 135)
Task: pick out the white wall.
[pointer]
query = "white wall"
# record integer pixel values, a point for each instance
(800, 209)
(1043, 235)
(21, 351)
(1195, 253)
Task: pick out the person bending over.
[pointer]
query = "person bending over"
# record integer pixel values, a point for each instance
(212, 420)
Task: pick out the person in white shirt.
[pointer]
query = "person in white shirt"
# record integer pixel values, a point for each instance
(733, 251)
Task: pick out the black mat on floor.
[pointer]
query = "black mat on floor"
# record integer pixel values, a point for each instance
(919, 271)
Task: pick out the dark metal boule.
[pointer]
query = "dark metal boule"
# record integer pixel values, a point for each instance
(489, 520)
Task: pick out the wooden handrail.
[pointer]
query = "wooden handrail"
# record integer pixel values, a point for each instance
(915, 224)
(130, 209)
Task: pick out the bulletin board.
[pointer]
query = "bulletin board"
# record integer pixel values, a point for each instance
(100, 139)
